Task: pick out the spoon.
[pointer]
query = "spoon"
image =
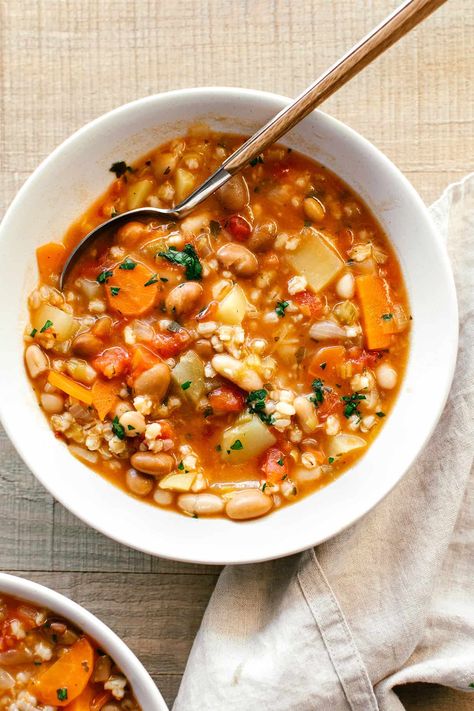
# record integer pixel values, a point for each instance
(397, 24)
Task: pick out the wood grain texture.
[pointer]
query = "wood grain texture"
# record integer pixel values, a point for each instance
(64, 62)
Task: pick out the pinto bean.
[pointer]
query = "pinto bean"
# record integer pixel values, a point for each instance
(263, 236)
(238, 259)
(154, 464)
(234, 195)
(201, 504)
(154, 382)
(249, 503)
(184, 298)
(86, 345)
(138, 483)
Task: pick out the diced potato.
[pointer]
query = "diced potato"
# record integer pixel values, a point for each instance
(345, 443)
(138, 193)
(315, 260)
(183, 183)
(248, 437)
(177, 481)
(63, 325)
(233, 307)
(163, 164)
(189, 372)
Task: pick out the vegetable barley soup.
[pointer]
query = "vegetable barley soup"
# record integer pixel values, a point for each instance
(232, 363)
(47, 664)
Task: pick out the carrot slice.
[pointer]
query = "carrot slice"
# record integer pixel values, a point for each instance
(83, 702)
(50, 258)
(105, 396)
(70, 387)
(67, 678)
(375, 304)
(132, 288)
(143, 359)
(327, 361)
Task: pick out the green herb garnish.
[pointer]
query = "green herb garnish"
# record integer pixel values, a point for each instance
(34, 332)
(308, 223)
(280, 462)
(187, 259)
(322, 366)
(352, 404)
(208, 411)
(164, 279)
(380, 414)
(61, 694)
(256, 405)
(281, 307)
(173, 326)
(104, 276)
(47, 324)
(330, 460)
(130, 427)
(120, 168)
(152, 280)
(218, 448)
(128, 264)
(318, 390)
(117, 428)
(186, 385)
(237, 445)
(256, 160)
(181, 466)
(387, 317)
(114, 290)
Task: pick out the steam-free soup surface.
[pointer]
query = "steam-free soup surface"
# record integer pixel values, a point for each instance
(231, 363)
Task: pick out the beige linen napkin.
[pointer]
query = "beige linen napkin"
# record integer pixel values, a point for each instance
(389, 601)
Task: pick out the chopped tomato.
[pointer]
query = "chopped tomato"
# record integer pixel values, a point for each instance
(275, 465)
(226, 399)
(238, 227)
(169, 345)
(142, 359)
(167, 430)
(361, 359)
(331, 405)
(113, 362)
(308, 303)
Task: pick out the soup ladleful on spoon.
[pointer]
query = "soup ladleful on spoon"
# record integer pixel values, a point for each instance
(383, 36)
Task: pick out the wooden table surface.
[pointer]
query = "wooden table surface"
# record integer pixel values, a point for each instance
(64, 62)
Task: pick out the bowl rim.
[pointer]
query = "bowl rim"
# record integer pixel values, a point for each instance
(438, 247)
(29, 591)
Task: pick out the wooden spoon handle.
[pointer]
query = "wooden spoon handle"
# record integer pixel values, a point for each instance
(397, 24)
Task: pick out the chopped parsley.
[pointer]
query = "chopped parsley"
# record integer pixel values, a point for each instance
(186, 385)
(120, 168)
(380, 414)
(208, 411)
(164, 279)
(330, 460)
(114, 290)
(214, 227)
(130, 427)
(181, 466)
(167, 170)
(237, 445)
(256, 405)
(318, 390)
(61, 694)
(280, 462)
(47, 324)
(128, 264)
(281, 307)
(308, 223)
(187, 259)
(117, 428)
(218, 448)
(322, 366)
(152, 280)
(173, 326)
(387, 317)
(256, 160)
(104, 276)
(34, 332)
(352, 404)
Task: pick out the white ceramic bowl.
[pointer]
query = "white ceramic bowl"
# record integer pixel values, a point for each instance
(142, 684)
(74, 175)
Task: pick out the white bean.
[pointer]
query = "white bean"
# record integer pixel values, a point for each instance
(306, 413)
(36, 361)
(162, 497)
(133, 423)
(386, 376)
(52, 404)
(201, 504)
(249, 503)
(237, 372)
(345, 287)
(140, 484)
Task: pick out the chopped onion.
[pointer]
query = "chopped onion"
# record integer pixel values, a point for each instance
(6, 680)
(84, 454)
(325, 330)
(344, 443)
